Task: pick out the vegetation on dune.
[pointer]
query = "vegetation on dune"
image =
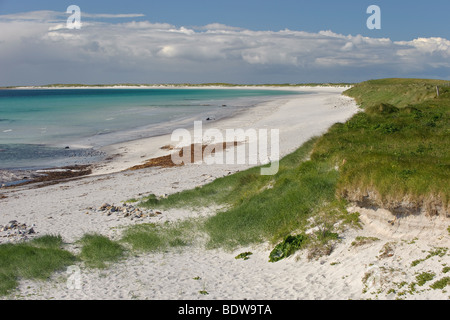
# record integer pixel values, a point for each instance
(287, 247)
(396, 91)
(391, 154)
(98, 250)
(395, 152)
(36, 259)
(260, 208)
(151, 237)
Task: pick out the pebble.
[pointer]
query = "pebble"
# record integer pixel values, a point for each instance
(126, 210)
(15, 231)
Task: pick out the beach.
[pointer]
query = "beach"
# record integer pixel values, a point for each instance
(350, 272)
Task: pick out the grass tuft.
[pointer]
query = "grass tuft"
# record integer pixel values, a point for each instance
(36, 259)
(152, 237)
(98, 250)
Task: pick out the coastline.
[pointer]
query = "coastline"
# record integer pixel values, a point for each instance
(91, 150)
(87, 150)
(181, 86)
(263, 115)
(64, 209)
(110, 157)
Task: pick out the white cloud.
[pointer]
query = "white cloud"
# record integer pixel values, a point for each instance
(47, 15)
(219, 28)
(111, 16)
(36, 44)
(43, 15)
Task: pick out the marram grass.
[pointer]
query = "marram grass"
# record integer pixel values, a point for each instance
(98, 250)
(36, 259)
(397, 148)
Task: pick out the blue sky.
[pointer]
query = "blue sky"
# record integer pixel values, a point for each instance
(418, 34)
(401, 20)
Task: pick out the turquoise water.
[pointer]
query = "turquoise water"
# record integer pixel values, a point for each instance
(37, 125)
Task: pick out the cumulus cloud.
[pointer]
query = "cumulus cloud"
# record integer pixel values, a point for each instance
(47, 15)
(36, 45)
(109, 15)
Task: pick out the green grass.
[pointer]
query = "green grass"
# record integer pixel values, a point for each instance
(36, 259)
(42, 256)
(151, 237)
(439, 251)
(274, 213)
(441, 284)
(360, 241)
(287, 247)
(258, 208)
(233, 189)
(397, 91)
(424, 277)
(244, 255)
(97, 250)
(395, 152)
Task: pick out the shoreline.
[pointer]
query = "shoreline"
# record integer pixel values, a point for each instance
(130, 152)
(89, 150)
(182, 86)
(83, 149)
(67, 208)
(137, 151)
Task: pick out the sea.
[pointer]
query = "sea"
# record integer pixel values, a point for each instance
(43, 128)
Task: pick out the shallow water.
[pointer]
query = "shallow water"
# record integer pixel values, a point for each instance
(37, 125)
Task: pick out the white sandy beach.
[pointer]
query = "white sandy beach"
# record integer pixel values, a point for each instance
(350, 272)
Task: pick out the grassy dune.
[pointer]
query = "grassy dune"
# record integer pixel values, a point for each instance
(395, 154)
(398, 92)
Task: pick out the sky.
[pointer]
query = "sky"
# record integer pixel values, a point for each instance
(199, 41)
